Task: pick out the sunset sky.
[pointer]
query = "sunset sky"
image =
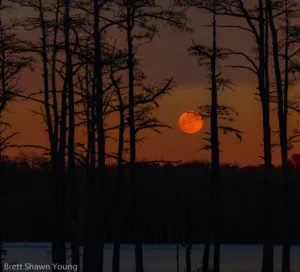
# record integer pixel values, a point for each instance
(167, 56)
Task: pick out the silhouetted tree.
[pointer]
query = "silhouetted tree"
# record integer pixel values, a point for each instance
(214, 111)
(256, 25)
(215, 161)
(283, 66)
(1, 250)
(137, 19)
(71, 138)
(120, 171)
(144, 119)
(120, 161)
(211, 55)
(54, 117)
(12, 63)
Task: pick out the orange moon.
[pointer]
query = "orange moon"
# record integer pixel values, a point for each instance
(190, 122)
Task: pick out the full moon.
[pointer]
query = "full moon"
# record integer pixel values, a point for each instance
(190, 122)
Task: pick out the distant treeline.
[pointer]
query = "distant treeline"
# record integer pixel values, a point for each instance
(26, 199)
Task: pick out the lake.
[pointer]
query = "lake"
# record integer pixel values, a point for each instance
(158, 258)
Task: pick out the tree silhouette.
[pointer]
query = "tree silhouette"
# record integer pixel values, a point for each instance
(137, 19)
(54, 116)
(12, 63)
(283, 81)
(256, 26)
(71, 138)
(209, 56)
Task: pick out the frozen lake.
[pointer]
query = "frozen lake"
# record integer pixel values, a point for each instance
(158, 258)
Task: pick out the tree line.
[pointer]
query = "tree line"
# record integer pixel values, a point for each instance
(89, 75)
(27, 181)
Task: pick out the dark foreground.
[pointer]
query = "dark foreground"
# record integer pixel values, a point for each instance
(159, 258)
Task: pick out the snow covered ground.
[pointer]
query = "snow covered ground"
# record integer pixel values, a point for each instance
(158, 258)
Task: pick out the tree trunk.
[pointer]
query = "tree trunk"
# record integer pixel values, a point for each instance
(90, 188)
(101, 169)
(178, 231)
(61, 179)
(132, 132)
(284, 150)
(120, 170)
(71, 141)
(209, 231)
(89, 224)
(1, 247)
(206, 252)
(117, 236)
(188, 252)
(215, 165)
(282, 117)
(189, 244)
(58, 239)
(94, 227)
(263, 79)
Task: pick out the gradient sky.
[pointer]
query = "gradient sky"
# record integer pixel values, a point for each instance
(167, 56)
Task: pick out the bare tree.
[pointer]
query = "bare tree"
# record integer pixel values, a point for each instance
(12, 63)
(54, 117)
(136, 20)
(120, 171)
(284, 54)
(256, 26)
(209, 56)
(71, 139)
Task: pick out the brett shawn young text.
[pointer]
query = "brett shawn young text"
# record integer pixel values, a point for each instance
(38, 267)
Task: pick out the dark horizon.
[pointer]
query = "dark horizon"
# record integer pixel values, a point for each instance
(191, 180)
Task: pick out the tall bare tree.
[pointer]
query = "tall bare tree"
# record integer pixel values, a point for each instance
(54, 117)
(120, 172)
(12, 63)
(284, 54)
(94, 233)
(71, 139)
(210, 54)
(255, 22)
(137, 19)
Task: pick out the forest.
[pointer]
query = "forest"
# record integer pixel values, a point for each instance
(93, 80)
(174, 199)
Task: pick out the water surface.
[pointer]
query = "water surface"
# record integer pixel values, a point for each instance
(158, 258)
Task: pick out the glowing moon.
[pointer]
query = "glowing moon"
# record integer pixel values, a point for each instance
(190, 122)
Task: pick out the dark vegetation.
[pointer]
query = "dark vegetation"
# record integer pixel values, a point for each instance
(26, 182)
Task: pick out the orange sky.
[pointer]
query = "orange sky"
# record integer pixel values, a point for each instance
(167, 56)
